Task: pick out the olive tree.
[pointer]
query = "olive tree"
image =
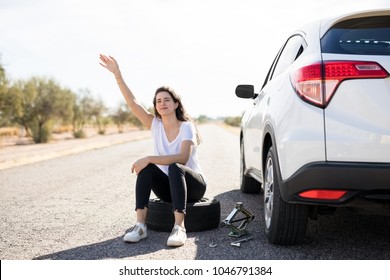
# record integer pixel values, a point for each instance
(37, 103)
(99, 111)
(121, 116)
(3, 97)
(19, 100)
(82, 112)
(50, 102)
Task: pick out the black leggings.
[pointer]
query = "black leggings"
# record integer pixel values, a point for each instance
(182, 185)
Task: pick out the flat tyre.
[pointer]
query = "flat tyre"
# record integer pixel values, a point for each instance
(285, 223)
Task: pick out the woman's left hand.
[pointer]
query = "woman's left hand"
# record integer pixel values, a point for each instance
(139, 165)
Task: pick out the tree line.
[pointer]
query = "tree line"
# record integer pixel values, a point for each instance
(38, 103)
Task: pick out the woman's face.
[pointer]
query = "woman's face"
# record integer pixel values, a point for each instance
(165, 104)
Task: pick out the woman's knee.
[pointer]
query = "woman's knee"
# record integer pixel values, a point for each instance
(144, 177)
(175, 168)
(147, 170)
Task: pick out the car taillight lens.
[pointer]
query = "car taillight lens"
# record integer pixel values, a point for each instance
(318, 82)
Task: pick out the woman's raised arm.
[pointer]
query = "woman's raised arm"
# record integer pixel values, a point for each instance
(139, 111)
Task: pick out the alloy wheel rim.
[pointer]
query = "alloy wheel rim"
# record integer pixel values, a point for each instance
(268, 192)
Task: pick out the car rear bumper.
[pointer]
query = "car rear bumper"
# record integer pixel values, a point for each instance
(364, 183)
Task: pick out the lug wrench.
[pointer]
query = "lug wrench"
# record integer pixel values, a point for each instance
(238, 242)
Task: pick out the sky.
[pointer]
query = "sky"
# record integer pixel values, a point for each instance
(201, 48)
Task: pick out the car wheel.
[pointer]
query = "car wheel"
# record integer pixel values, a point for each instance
(285, 223)
(202, 215)
(248, 184)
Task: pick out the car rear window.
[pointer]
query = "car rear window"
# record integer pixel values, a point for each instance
(368, 36)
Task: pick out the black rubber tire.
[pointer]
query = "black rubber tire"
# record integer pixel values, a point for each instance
(202, 215)
(287, 222)
(247, 183)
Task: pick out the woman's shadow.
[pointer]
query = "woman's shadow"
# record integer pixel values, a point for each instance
(114, 248)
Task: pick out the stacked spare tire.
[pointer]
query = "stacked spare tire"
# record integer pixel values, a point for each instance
(202, 215)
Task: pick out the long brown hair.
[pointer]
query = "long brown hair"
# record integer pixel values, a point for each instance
(181, 113)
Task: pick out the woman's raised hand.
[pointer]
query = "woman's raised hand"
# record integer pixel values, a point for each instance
(110, 63)
(139, 111)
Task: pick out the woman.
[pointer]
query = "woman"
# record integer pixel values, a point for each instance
(173, 173)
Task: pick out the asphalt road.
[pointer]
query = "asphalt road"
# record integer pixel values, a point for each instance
(79, 207)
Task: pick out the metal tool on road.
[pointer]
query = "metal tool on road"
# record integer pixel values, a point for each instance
(240, 230)
(238, 242)
(212, 243)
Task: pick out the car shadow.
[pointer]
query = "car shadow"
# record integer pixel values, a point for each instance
(342, 236)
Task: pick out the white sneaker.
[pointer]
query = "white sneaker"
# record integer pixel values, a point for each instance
(178, 237)
(138, 232)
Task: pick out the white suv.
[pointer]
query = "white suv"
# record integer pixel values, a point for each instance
(318, 134)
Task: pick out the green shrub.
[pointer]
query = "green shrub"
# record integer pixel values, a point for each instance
(41, 133)
(79, 134)
(233, 121)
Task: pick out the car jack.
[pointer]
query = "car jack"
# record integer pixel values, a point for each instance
(240, 230)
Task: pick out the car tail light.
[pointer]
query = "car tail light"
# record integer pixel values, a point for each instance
(323, 194)
(318, 82)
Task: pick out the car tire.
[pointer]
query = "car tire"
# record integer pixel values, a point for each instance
(248, 184)
(202, 215)
(285, 223)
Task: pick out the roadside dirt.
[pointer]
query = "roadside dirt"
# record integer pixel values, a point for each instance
(16, 151)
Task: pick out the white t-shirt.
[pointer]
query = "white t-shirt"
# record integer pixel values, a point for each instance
(163, 147)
